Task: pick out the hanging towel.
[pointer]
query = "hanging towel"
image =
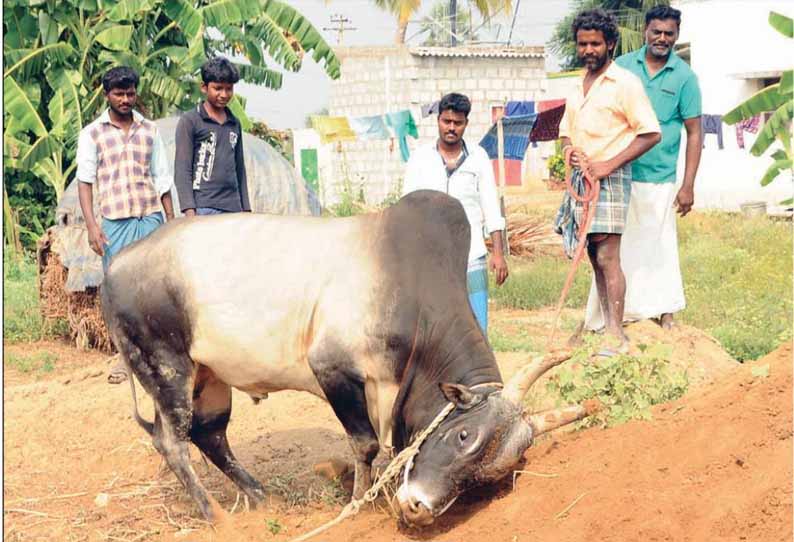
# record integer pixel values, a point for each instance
(369, 128)
(516, 134)
(545, 105)
(747, 125)
(712, 124)
(429, 109)
(402, 122)
(547, 125)
(333, 129)
(517, 109)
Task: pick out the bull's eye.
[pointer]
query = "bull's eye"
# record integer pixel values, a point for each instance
(463, 435)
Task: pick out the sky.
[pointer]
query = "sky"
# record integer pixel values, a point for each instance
(307, 91)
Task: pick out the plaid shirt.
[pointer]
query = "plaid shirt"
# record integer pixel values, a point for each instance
(130, 172)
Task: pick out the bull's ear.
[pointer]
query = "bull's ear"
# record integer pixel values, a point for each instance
(459, 394)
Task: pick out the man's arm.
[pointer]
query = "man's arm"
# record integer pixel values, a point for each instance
(639, 146)
(242, 177)
(96, 237)
(161, 174)
(494, 221)
(686, 194)
(183, 166)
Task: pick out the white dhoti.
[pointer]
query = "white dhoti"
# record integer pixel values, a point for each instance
(648, 257)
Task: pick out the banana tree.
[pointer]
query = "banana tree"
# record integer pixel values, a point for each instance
(777, 99)
(56, 51)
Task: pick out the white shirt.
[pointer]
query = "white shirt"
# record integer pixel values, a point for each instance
(87, 159)
(472, 184)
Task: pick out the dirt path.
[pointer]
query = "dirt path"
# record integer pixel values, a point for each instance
(715, 465)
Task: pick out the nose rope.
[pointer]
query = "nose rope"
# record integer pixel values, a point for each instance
(392, 470)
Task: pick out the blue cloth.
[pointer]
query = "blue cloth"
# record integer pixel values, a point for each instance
(125, 231)
(206, 211)
(519, 109)
(516, 134)
(369, 128)
(477, 283)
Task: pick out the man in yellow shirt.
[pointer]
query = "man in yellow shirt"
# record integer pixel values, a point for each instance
(609, 121)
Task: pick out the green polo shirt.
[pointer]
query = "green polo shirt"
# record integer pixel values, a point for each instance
(675, 95)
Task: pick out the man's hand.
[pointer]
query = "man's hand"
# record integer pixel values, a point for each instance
(577, 159)
(499, 267)
(97, 239)
(684, 200)
(190, 212)
(601, 170)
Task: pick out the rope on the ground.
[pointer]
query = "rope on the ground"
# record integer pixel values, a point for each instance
(392, 471)
(592, 186)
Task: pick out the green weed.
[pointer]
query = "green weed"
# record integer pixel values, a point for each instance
(537, 284)
(627, 386)
(518, 341)
(273, 526)
(41, 361)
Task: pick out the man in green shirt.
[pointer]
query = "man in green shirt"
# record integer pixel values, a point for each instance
(649, 249)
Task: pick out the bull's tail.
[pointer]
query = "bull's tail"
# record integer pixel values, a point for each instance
(146, 425)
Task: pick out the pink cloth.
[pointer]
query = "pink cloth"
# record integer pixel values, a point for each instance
(747, 125)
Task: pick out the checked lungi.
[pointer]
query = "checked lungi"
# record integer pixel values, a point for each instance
(610, 212)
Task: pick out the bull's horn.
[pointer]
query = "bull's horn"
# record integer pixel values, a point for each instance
(518, 386)
(543, 422)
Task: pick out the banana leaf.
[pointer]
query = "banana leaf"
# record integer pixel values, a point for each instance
(260, 75)
(775, 169)
(115, 38)
(767, 99)
(777, 127)
(185, 15)
(782, 24)
(17, 104)
(58, 53)
(225, 12)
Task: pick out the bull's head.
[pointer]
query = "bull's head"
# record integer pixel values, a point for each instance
(480, 442)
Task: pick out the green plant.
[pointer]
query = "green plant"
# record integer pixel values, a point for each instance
(514, 341)
(273, 526)
(41, 361)
(393, 196)
(537, 284)
(556, 165)
(626, 386)
(775, 98)
(437, 26)
(22, 321)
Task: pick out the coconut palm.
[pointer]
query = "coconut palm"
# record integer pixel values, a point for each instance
(405, 9)
(631, 25)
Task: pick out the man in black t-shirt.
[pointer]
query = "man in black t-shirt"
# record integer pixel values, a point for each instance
(209, 171)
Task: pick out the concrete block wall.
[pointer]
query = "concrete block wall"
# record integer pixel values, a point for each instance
(389, 79)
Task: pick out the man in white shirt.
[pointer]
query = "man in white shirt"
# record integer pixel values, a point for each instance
(449, 165)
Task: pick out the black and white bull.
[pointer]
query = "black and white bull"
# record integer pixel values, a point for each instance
(369, 313)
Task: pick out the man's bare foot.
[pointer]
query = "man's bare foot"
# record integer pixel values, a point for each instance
(666, 321)
(118, 372)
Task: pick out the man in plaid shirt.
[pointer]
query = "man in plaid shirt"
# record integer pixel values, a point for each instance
(122, 158)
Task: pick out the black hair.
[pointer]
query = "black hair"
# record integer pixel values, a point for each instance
(455, 102)
(219, 70)
(119, 77)
(663, 13)
(597, 19)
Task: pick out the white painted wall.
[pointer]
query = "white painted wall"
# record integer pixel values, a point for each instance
(731, 39)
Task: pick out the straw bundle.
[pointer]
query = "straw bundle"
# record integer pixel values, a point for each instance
(526, 234)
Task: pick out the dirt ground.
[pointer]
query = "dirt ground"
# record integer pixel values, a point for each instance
(714, 465)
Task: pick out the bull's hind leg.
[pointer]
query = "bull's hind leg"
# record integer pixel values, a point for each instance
(346, 395)
(168, 377)
(212, 406)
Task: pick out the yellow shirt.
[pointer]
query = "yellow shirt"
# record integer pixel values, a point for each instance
(615, 111)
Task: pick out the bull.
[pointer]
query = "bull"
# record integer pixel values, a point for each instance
(369, 313)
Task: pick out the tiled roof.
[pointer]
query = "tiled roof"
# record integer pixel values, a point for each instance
(480, 52)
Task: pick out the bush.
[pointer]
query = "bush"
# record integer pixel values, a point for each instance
(22, 320)
(627, 386)
(556, 165)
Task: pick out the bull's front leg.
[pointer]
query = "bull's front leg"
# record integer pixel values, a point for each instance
(345, 393)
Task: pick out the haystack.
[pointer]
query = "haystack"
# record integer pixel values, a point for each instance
(70, 273)
(527, 234)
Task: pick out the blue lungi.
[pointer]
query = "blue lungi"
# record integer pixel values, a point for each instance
(477, 283)
(125, 231)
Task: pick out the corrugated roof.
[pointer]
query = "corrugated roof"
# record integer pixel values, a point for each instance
(480, 52)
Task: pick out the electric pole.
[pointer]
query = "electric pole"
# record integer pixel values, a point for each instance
(453, 22)
(339, 21)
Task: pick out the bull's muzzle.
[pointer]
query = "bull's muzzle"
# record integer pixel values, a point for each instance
(414, 512)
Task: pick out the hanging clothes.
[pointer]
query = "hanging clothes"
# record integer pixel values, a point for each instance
(545, 105)
(547, 125)
(747, 125)
(333, 129)
(516, 137)
(429, 109)
(370, 128)
(517, 109)
(712, 124)
(402, 122)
